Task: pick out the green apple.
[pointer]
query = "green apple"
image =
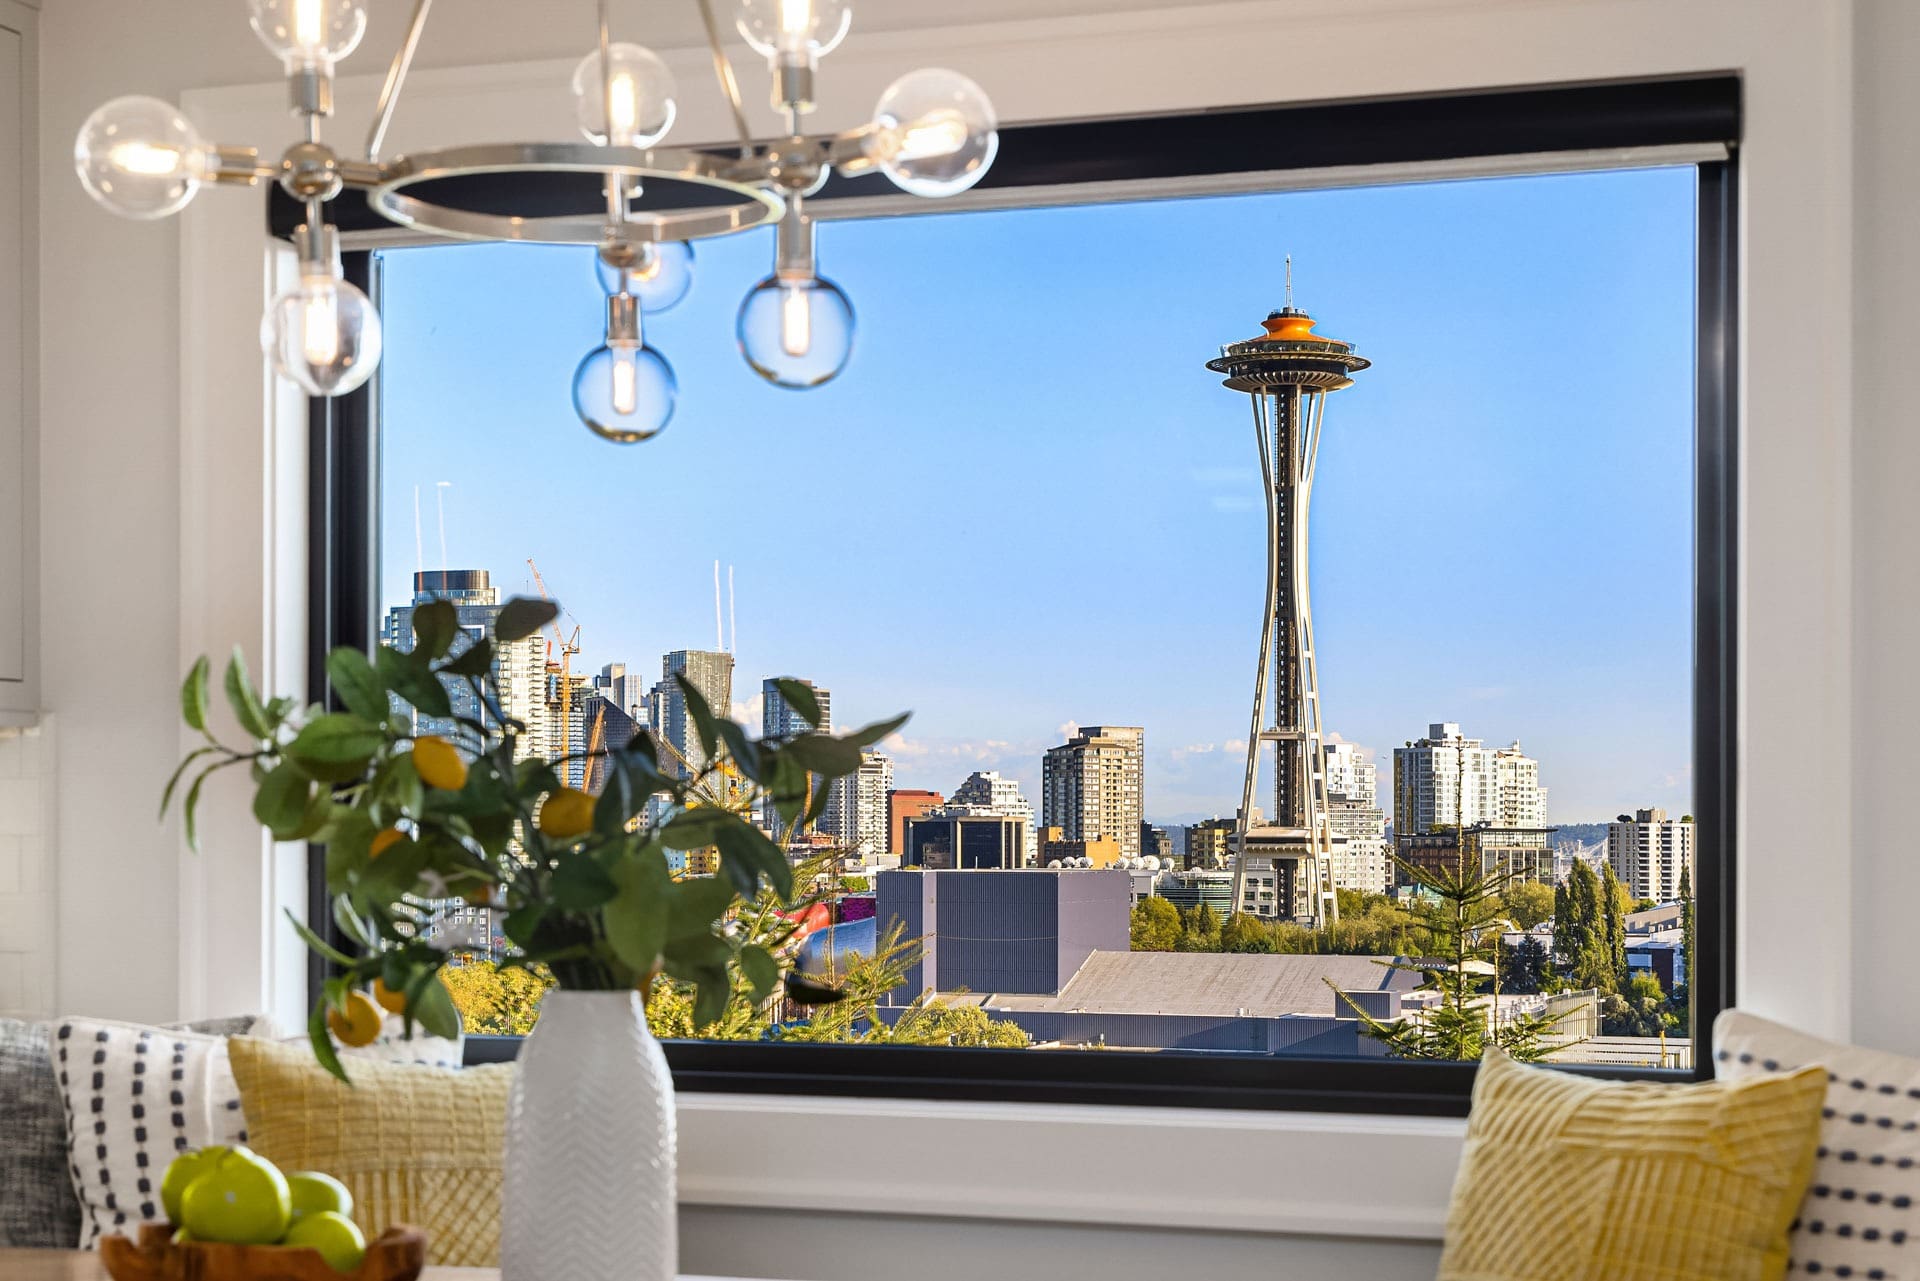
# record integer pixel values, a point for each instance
(334, 1235)
(181, 1171)
(242, 1200)
(313, 1193)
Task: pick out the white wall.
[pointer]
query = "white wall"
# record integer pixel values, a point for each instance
(1832, 604)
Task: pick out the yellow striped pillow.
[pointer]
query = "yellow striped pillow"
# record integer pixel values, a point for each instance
(413, 1144)
(1567, 1178)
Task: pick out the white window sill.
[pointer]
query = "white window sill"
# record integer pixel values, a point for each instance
(1319, 1174)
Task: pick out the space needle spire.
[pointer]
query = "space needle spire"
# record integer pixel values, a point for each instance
(1283, 857)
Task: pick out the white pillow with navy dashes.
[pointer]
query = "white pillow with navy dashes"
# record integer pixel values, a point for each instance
(1860, 1220)
(134, 1097)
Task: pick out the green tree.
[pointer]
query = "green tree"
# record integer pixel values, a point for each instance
(1199, 929)
(1464, 938)
(1528, 903)
(1527, 967)
(1245, 932)
(495, 1000)
(1155, 925)
(1614, 906)
(1580, 932)
(1640, 1010)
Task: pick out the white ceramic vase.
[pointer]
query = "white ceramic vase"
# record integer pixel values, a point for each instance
(589, 1187)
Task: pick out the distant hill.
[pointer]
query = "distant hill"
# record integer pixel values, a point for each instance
(1580, 834)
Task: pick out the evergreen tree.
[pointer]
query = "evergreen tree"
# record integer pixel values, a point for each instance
(1199, 929)
(1613, 916)
(1527, 968)
(1464, 936)
(1686, 924)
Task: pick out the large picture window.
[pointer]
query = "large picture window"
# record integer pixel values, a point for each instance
(1028, 513)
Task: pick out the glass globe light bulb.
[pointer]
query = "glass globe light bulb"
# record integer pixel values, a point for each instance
(661, 277)
(309, 33)
(323, 334)
(935, 132)
(625, 392)
(796, 333)
(641, 97)
(808, 28)
(140, 157)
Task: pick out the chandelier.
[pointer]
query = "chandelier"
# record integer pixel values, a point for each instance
(933, 133)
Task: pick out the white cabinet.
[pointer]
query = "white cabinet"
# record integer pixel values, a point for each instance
(19, 408)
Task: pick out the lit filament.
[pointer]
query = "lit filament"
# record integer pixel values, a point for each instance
(938, 133)
(796, 321)
(626, 392)
(320, 326)
(796, 16)
(144, 158)
(309, 24)
(623, 108)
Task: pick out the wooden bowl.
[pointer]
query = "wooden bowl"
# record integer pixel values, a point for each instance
(398, 1254)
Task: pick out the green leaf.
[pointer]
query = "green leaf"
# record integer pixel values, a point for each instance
(336, 747)
(475, 660)
(746, 855)
(690, 953)
(435, 625)
(822, 754)
(711, 993)
(761, 970)
(743, 749)
(179, 772)
(319, 811)
(636, 919)
(322, 1042)
(868, 735)
(694, 829)
(325, 949)
(615, 805)
(429, 1002)
(281, 801)
(411, 677)
(193, 696)
(580, 884)
(188, 810)
(522, 926)
(521, 617)
(359, 689)
(696, 905)
(704, 723)
(245, 699)
(801, 698)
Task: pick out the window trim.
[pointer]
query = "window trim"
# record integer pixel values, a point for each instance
(1634, 117)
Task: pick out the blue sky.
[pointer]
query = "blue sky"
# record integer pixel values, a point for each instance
(1026, 504)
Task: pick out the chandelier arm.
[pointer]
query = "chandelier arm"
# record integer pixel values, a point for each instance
(396, 80)
(723, 71)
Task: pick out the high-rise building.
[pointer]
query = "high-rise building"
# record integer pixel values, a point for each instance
(1156, 842)
(519, 668)
(1360, 860)
(708, 671)
(1446, 778)
(1351, 773)
(624, 690)
(1092, 786)
(1210, 844)
(779, 719)
(856, 812)
(986, 790)
(903, 804)
(1649, 852)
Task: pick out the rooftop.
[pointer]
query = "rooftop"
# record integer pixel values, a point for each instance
(1214, 984)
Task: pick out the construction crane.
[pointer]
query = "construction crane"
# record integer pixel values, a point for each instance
(593, 772)
(568, 648)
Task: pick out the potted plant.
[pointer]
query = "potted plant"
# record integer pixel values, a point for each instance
(419, 827)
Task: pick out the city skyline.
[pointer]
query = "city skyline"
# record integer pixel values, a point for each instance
(1447, 587)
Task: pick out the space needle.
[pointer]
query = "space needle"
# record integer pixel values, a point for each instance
(1283, 857)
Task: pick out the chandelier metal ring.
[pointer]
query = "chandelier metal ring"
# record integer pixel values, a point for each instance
(751, 205)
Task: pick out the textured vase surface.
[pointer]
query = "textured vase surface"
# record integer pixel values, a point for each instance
(589, 1187)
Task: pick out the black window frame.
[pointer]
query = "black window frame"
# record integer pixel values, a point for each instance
(1674, 112)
